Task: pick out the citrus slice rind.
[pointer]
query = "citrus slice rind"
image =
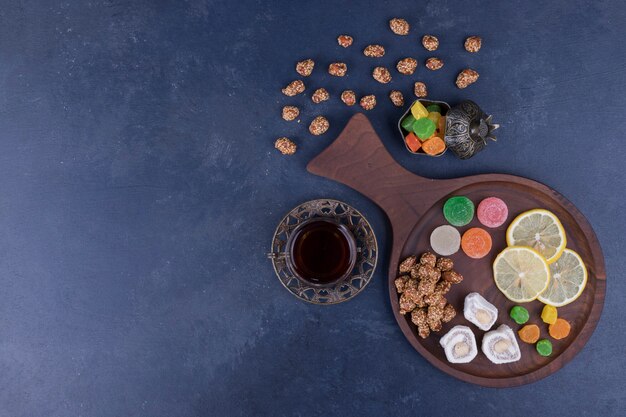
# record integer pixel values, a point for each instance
(540, 230)
(568, 280)
(521, 273)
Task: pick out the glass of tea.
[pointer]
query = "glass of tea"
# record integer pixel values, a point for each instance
(321, 251)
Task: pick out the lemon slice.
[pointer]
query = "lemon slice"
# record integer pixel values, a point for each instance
(567, 282)
(521, 273)
(538, 229)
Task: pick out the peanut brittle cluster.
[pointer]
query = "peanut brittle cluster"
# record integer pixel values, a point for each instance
(422, 286)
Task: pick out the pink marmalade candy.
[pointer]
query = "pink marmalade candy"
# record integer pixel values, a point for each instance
(492, 212)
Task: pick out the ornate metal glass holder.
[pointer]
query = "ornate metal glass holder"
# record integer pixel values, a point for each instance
(367, 252)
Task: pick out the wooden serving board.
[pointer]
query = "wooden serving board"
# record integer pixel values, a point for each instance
(414, 204)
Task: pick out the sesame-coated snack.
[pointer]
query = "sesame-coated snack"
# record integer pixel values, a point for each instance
(320, 95)
(423, 294)
(305, 68)
(374, 51)
(406, 66)
(452, 276)
(368, 102)
(344, 40)
(338, 69)
(466, 77)
(434, 64)
(319, 126)
(407, 264)
(293, 88)
(445, 264)
(430, 42)
(381, 74)
(428, 258)
(290, 113)
(285, 146)
(399, 26)
(473, 44)
(419, 89)
(396, 98)
(348, 97)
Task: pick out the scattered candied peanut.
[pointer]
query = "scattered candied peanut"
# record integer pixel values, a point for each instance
(396, 98)
(430, 42)
(285, 146)
(445, 264)
(320, 95)
(348, 97)
(305, 68)
(338, 69)
(466, 77)
(293, 88)
(368, 102)
(319, 125)
(407, 264)
(381, 74)
(344, 40)
(374, 51)
(406, 66)
(473, 44)
(290, 112)
(419, 89)
(434, 63)
(399, 26)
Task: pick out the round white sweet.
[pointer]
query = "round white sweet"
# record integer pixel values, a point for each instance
(445, 240)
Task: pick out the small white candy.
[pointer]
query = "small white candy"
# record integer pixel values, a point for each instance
(500, 345)
(445, 240)
(459, 344)
(479, 311)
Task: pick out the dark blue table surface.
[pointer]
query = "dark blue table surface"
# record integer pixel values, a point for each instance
(140, 190)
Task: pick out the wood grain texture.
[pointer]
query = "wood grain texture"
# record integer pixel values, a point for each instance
(413, 204)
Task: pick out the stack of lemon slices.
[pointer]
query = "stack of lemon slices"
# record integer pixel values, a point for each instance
(536, 264)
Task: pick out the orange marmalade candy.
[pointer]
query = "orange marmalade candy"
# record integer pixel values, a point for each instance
(529, 333)
(434, 146)
(560, 329)
(413, 142)
(476, 242)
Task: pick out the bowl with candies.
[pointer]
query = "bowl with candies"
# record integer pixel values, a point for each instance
(431, 127)
(423, 127)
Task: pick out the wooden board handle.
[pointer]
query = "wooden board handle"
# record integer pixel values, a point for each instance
(359, 159)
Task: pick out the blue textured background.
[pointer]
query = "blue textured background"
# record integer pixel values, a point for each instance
(139, 191)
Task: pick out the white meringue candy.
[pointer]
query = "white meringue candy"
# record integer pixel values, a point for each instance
(459, 344)
(500, 345)
(479, 311)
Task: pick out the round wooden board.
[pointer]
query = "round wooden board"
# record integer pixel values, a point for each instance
(414, 206)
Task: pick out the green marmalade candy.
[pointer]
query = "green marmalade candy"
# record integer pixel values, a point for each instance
(458, 210)
(544, 347)
(519, 314)
(434, 108)
(424, 128)
(407, 123)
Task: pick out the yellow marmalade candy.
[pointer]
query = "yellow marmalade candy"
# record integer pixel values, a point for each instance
(434, 116)
(548, 314)
(418, 110)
